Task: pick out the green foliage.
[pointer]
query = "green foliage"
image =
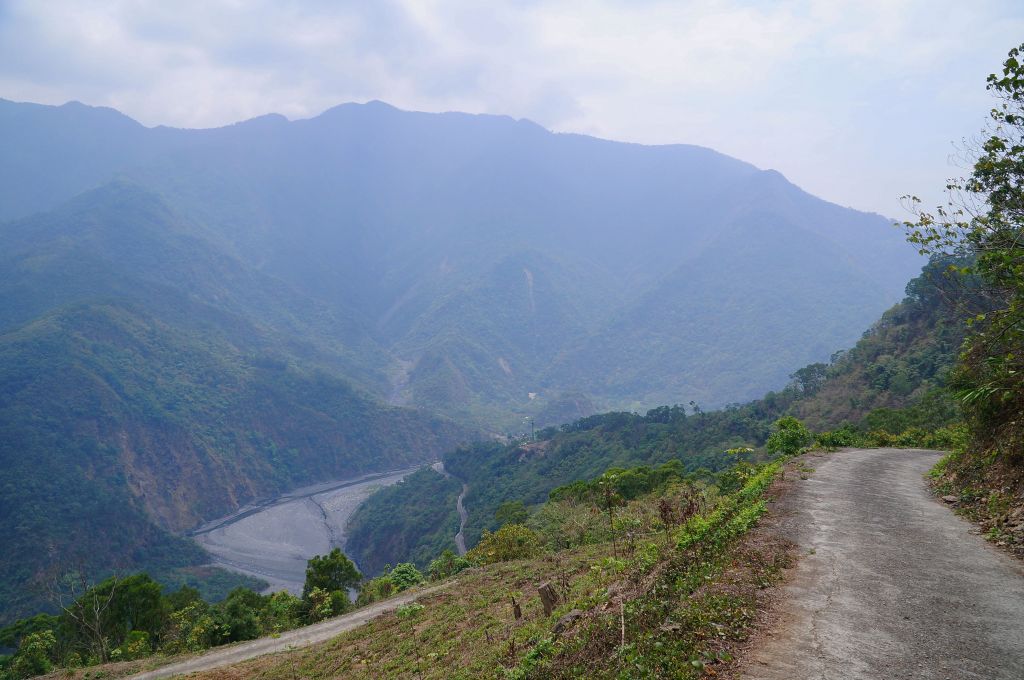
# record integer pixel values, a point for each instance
(511, 512)
(325, 591)
(447, 565)
(191, 628)
(830, 441)
(35, 655)
(330, 572)
(238, 617)
(627, 483)
(284, 611)
(319, 604)
(374, 589)
(985, 221)
(135, 646)
(413, 520)
(510, 542)
(789, 436)
(405, 575)
(409, 611)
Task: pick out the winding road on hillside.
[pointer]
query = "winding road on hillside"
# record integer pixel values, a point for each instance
(890, 583)
(460, 538)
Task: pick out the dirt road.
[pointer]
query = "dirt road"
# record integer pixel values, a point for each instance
(293, 639)
(891, 584)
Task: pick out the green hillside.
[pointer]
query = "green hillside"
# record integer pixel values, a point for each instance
(139, 400)
(893, 379)
(482, 267)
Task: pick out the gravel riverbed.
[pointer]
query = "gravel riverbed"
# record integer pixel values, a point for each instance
(274, 539)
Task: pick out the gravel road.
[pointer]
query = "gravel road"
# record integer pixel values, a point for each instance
(293, 639)
(890, 583)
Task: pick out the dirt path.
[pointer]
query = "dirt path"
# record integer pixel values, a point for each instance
(890, 583)
(293, 639)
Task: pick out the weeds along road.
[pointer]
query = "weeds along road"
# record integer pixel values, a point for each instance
(889, 583)
(292, 639)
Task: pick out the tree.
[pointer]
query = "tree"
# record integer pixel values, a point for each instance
(984, 219)
(405, 576)
(511, 512)
(34, 654)
(810, 378)
(610, 499)
(330, 572)
(789, 436)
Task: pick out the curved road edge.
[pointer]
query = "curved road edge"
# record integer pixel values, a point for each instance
(890, 583)
(293, 639)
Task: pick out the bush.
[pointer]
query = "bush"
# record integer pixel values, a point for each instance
(447, 565)
(789, 437)
(135, 646)
(330, 572)
(830, 441)
(404, 576)
(375, 589)
(33, 657)
(511, 542)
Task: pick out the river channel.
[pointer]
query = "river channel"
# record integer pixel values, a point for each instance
(272, 540)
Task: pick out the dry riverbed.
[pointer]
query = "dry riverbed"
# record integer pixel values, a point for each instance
(273, 540)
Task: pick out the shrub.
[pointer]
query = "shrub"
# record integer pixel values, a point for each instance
(830, 441)
(375, 589)
(404, 576)
(33, 657)
(511, 542)
(330, 572)
(135, 646)
(789, 436)
(447, 565)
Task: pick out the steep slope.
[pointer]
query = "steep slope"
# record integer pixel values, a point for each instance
(428, 228)
(901, 363)
(892, 379)
(148, 382)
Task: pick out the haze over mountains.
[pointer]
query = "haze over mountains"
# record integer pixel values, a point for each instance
(192, 319)
(480, 259)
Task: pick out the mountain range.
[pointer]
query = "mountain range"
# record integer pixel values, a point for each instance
(194, 319)
(484, 267)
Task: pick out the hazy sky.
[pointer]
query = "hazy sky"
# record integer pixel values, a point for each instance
(857, 101)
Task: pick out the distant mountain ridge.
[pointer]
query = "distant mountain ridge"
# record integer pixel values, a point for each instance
(489, 259)
(193, 319)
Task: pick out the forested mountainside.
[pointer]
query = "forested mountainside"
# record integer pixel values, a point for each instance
(893, 379)
(148, 383)
(495, 268)
(194, 319)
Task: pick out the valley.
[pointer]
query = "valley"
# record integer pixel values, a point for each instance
(367, 391)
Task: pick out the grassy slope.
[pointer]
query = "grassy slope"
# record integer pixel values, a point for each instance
(686, 598)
